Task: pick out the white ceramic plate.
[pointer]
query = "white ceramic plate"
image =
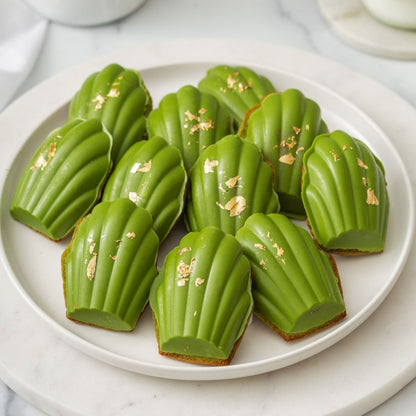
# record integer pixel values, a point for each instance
(33, 262)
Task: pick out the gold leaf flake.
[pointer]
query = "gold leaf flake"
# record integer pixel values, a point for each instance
(260, 246)
(289, 159)
(195, 313)
(191, 116)
(236, 205)
(99, 100)
(371, 197)
(334, 156)
(307, 127)
(364, 180)
(134, 197)
(92, 264)
(209, 165)
(138, 167)
(52, 150)
(289, 143)
(91, 247)
(131, 235)
(263, 264)
(279, 250)
(361, 164)
(199, 281)
(40, 162)
(296, 129)
(184, 250)
(182, 282)
(202, 111)
(113, 93)
(203, 125)
(146, 167)
(184, 270)
(232, 182)
(113, 257)
(301, 149)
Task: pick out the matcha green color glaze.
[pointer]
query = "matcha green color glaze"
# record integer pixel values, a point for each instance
(64, 178)
(295, 287)
(109, 265)
(237, 88)
(229, 182)
(201, 300)
(284, 126)
(151, 173)
(189, 120)
(118, 97)
(345, 195)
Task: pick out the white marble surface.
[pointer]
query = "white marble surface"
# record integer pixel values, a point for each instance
(285, 22)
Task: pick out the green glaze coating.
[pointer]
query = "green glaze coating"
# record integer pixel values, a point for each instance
(189, 120)
(201, 300)
(284, 126)
(345, 195)
(237, 88)
(229, 182)
(295, 288)
(64, 178)
(151, 173)
(118, 97)
(109, 265)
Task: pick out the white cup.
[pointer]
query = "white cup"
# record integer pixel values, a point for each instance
(397, 13)
(84, 12)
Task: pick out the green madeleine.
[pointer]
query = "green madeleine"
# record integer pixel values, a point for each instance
(229, 182)
(151, 174)
(237, 88)
(64, 178)
(295, 285)
(119, 98)
(284, 126)
(189, 120)
(345, 195)
(201, 299)
(109, 266)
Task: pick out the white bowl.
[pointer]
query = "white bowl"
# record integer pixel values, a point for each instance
(84, 12)
(397, 13)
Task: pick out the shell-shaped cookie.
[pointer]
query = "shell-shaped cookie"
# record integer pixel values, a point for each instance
(229, 182)
(201, 300)
(296, 288)
(118, 97)
(152, 175)
(284, 126)
(189, 120)
(109, 266)
(238, 88)
(64, 178)
(345, 195)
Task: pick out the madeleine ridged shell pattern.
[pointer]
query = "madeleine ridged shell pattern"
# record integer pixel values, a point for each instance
(295, 287)
(284, 126)
(189, 120)
(345, 195)
(109, 266)
(229, 182)
(64, 178)
(152, 175)
(118, 97)
(237, 88)
(201, 300)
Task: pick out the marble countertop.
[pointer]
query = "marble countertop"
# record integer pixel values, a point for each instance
(297, 24)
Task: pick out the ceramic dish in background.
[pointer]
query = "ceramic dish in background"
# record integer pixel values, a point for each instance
(84, 12)
(397, 13)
